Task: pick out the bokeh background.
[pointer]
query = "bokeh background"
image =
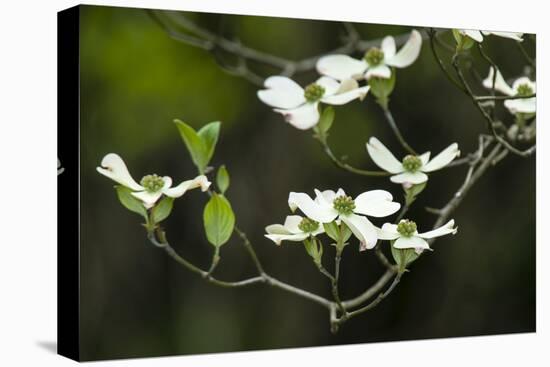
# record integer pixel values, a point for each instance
(137, 302)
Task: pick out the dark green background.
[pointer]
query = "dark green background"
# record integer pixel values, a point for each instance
(137, 302)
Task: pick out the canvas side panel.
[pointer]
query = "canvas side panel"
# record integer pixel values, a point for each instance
(68, 188)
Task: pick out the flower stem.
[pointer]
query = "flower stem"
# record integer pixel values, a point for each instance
(397, 132)
(347, 167)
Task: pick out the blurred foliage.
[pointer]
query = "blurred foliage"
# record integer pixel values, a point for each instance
(137, 302)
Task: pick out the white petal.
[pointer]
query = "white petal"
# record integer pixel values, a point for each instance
(382, 157)
(376, 203)
(442, 159)
(303, 117)
(379, 71)
(408, 53)
(331, 85)
(363, 229)
(524, 80)
(114, 167)
(410, 178)
(310, 208)
(512, 35)
(292, 222)
(341, 67)
(278, 238)
(388, 47)
(282, 92)
(447, 228)
(325, 198)
(388, 232)
(347, 85)
(411, 242)
(500, 83)
(148, 198)
(276, 229)
(424, 158)
(343, 98)
(340, 192)
(475, 35)
(524, 105)
(199, 181)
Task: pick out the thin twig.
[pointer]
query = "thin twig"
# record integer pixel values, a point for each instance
(432, 35)
(264, 278)
(374, 303)
(347, 167)
(502, 98)
(397, 132)
(369, 293)
(485, 114)
(528, 58)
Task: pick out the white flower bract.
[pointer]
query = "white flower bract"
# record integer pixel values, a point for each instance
(375, 203)
(113, 167)
(478, 35)
(384, 159)
(416, 240)
(520, 105)
(344, 67)
(290, 230)
(289, 98)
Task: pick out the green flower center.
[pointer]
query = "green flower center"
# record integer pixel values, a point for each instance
(308, 225)
(524, 90)
(412, 163)
(314, 92)
(152, 183)
(344, 204)
(406, 228)
(374, 56)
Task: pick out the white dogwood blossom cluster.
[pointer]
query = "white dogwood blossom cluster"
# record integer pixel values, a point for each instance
(371, 217)
(339, 83)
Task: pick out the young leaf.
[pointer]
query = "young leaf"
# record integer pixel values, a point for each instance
(219, 220)
(195, 145)
(332, 230)
(163, 209)
(222, 179)
(412, 192)
(326, 120)
(129, 201)
(403, 257)
(209, 135)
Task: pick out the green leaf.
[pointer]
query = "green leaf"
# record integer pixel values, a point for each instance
(347, 232)
(222, 179)
(209, 135)
(403, 257)
(162, 210)
(194, 143)
(219, 220)
(332, 230)
(326, 120)
(310, 247)
(129, 201)
(381, 88)
(412, 192)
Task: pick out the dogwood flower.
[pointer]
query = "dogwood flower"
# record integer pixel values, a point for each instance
(375, 63)
(331, 206)
(295, 228)
(521, 87)
(478, 35)
(406, 235)
(299, 106)
(412, 169)
(151, 187)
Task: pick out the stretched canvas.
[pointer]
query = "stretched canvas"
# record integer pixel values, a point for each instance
(233, 183)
